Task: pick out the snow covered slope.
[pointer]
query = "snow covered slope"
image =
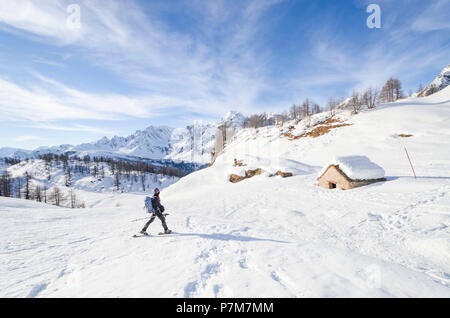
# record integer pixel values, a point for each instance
(375, 134)
(265, 236)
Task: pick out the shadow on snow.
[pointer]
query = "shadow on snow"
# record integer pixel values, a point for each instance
(228, 237)
(392, 178)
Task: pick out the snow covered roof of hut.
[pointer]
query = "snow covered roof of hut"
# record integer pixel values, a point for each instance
(356, 168)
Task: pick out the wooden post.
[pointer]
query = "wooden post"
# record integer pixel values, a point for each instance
(409, 159)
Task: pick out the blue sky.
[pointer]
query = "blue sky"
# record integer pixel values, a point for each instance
(132, 64)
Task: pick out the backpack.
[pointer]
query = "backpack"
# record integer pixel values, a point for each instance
(149, 205)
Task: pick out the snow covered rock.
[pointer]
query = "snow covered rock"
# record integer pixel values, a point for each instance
(438, 84)
(233, 118)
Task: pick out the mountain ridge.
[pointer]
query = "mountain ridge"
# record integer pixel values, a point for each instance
(439, 83)
(191, 144)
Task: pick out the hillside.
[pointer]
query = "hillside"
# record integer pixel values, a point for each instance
(265, 236)
(60, 183)
(55, 175)
(375, 133)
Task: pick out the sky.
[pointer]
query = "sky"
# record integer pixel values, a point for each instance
(75, 71)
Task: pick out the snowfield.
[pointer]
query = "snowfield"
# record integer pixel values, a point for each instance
(264, 236)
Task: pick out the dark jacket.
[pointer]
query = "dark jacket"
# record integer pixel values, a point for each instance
(156, 204)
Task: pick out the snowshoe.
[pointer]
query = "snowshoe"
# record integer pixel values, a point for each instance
(142, 233)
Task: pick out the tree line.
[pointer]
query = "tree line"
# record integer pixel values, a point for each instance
(23, 187)
(116, 166)
(368, 98)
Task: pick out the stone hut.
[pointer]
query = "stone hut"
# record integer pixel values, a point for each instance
(350, 172)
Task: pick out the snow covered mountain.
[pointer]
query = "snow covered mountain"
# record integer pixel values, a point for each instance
(8, 152)
(152, 143)
(438, 84)
(232, 118)
(192, 144)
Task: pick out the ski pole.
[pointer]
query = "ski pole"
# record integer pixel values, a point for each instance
(165, 215)
(139, 219)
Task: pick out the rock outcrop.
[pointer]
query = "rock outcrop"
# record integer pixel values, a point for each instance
(438, 84)
(234, 178)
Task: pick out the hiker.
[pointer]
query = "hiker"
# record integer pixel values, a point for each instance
(157, 209)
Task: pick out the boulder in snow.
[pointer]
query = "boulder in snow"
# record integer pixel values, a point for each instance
(234, 178)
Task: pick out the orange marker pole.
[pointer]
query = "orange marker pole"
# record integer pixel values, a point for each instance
(409, 159)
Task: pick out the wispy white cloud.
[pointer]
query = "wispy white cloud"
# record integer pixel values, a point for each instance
(435, 17)
(18, 103)
(41, 18)
(47, 62)
(48, 100)
(74, 128)
(398, 49)
(180, 69)
(219, 66)
(27, 138)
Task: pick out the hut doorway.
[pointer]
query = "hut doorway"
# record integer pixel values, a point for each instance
(332, 185)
